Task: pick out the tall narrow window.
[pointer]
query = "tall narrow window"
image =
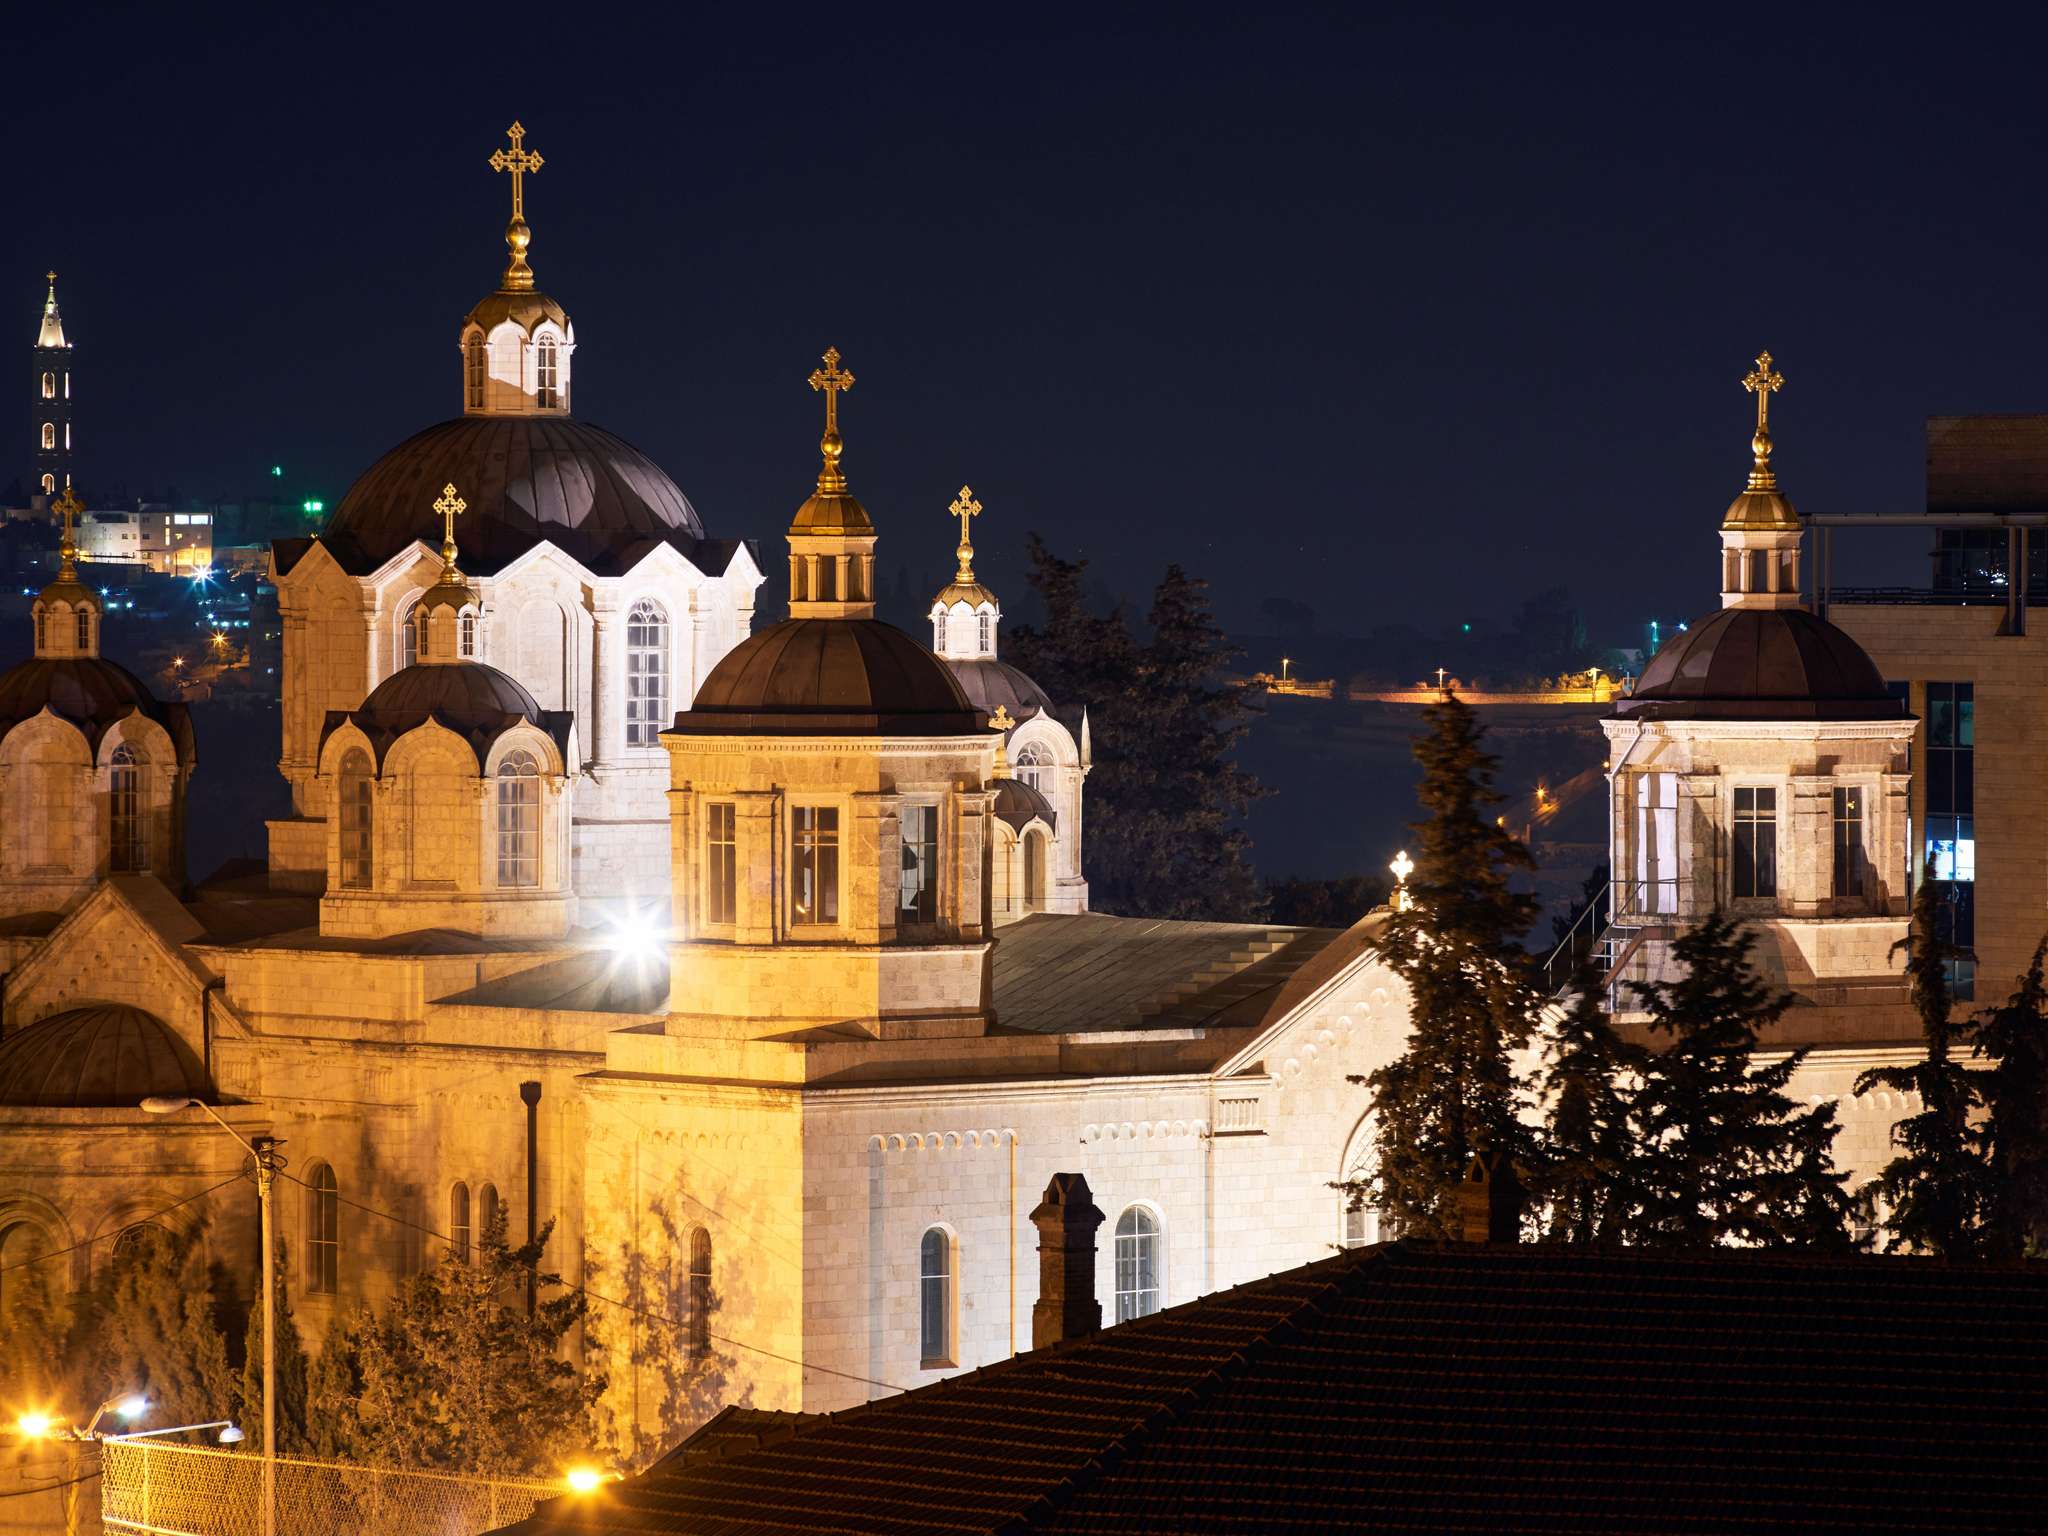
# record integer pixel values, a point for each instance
(1756, 842)
(85, 626)
(67, 437)
(1033, 763)
(67, 384)
(646, 674)
(1951, 837)
(467, 634)
(1137, 1264)
(49, 434)
(1034, 870)
(938, 632)
(409, 634)
(721, 862)
(49, 386)
(353, 789)
(487, 1212)
(1852, 863)
(920, 884)
(323, 1231)
(518, 820)
(935, 1297)
(473, 373)
(458, 1221)
(985, 633)
(1654, 888)
(546, 375)
(42, 628)
(49, 485)
(814, 881)
(130, 851)
(1359, 1187)
(700, 1295)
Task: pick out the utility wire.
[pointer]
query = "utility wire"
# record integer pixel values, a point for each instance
(44, 1258)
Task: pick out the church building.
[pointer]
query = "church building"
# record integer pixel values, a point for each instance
(759, 959)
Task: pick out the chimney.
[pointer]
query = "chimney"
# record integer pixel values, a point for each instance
(1489, 1206)
(1066, 1220)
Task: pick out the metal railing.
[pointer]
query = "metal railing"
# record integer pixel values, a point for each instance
(1606, 933)
(191, 1490)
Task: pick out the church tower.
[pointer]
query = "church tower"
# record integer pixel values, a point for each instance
(52, 398)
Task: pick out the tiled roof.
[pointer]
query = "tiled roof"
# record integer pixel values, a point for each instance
(1440, 1388)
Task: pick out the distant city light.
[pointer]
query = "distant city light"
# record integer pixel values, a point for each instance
(277, 471)
(313, 506)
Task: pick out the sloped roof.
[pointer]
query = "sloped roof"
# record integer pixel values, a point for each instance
(1440, 1388)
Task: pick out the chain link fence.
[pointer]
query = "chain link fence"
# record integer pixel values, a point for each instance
(190, 1490)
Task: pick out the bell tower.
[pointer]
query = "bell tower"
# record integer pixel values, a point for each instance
(51, 386)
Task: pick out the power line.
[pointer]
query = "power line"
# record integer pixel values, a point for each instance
(610, 1301)
(44, 1258)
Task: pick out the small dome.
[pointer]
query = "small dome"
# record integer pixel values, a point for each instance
(1019, 804)
(830, 675)
(107, 1056)
(525, 309)
(1760, 509)
(831, 512)
(991, 685)
(526, 478)
(972, 593)
(89, 691)
(1761, 664)
(471, 698)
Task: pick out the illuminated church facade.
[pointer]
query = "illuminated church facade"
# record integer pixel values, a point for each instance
(756, 957)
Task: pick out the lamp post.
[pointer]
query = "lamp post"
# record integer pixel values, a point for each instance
(266, 1169)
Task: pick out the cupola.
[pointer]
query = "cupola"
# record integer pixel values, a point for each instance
(67, 611)
(450, 612)
(831, 540)
(517, 342)
(965, 615)
(1761, 535)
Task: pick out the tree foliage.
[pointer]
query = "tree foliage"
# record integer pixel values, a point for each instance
(1166, 797)
(1937, 1190)
(1725, 1155)
(2013, 1139)
(1472, 1002)
(1584, 1176)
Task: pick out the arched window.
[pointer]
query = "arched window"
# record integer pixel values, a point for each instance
(353, 791)
(29, 1277)
(49, 386)
(49, 485)
(518, 820)
(486, 1209)
(938, 631)
(323, 1231)
(547, 374)
(137, 1242)
(458, 1221)
(935, 1297)
(700, 1295)
(67, 384)
(473, 373)
(49, 434)
(85, 626)
(67, 437)
(409, 634)
(467, 634)
(1034, 870)
(130, 822)
(1137, 1264)
(1032, 761)
(42, 628)
(646, 674)
(1361, 1221)
(985, 633)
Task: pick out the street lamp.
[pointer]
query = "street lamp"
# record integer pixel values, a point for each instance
(266, 1169)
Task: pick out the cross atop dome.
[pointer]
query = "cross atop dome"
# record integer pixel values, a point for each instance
(450, 612)
(965, 615)
(1761, 533)
(834, 381)
(519, 161)
(1763, 383)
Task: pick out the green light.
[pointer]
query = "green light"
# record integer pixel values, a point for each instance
(1465, 628)
(277, 471)
(313, 506)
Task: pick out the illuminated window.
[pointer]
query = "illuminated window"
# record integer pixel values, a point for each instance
(67, 384)
(49, 386)
(323, 1231)
(409, 634)
(130, 851)
(467, 633)
(920, 882)
(67, 437)
(458, 1221)
(938, 631)
(1361, 1223)
(814, 881)
(646, 674)
(1137, 1264)
(518, 820)
(84, 626)
(1655, 885)
(985, 632)
(1852, 862)
(1034, 766)
(473, 373)
(721, 862)
(547, 373)
(49, 485)
(700, 1294)
(1951, 837)
(1756, 842)
(353, 791)
(935, 1297)
(49, 434)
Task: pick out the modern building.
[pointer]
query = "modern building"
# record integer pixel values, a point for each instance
(170, 541)
(51, 393)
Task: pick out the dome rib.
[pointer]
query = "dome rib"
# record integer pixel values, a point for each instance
(103, 1056)
(830, 676)
(1761, 664)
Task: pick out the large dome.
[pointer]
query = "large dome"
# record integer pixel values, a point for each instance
(1761, 664)
(991, 685)
(108, 1056)
(826, 676)
(525, 479)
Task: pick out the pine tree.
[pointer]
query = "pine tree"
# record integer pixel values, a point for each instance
(156, 1329)
(1937, 1188)
(2014, 1136)
(1583, 1176)
(1726, 1155)
(1453, 1091)
(36, 1324)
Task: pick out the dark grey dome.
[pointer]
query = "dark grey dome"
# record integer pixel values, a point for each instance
(525, 478)
(1017, 803)
(991, 685)
(471, 698)
(101, 1057)
(1761, 664)
(831, 675)
(90, 692)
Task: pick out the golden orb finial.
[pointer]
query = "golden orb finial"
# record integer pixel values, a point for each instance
(70, 508)
(518, 160)
(1763, 383)
(834, 381)
(965, 507)
(450, 506)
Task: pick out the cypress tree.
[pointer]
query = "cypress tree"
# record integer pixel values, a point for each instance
(1936, 1189)
(2014, 1137)
(1472, 1001)
(1727, 1155)
(1584, 1172)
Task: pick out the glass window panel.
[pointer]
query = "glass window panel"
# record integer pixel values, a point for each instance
(814, 883)
(920, 876)
(646, 675)
(721, 862)
(1137, 1264)
(935, 1297)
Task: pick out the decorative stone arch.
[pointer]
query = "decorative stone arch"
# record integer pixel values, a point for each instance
(1359, 1160)
(46, 797)
(938, 1295)
(22, 1211)
(1137, 1260)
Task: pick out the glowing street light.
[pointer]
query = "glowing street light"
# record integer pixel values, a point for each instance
(36, 1426)
(587, 1479)
(1284, 663)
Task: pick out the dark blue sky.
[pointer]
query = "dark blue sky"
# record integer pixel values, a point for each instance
(1403, 315)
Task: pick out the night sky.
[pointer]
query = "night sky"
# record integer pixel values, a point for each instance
(1403, 317)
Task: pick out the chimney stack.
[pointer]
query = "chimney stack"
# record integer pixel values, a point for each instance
(1489, 1202)
(1066, 1220)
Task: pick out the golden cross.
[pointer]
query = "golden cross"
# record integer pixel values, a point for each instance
(1000, 720)
(1001, 723)
(965, 507)
(1402, 868)
(68, 507)
(450, 506)
(832, 379)
(518, 160)
(1763, 383)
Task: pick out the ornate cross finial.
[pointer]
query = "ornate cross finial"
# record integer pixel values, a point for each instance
(1001, 723)
(450, 506)
(69, 507)
(965, 507)
(834, 381)
(518, 160)
(1402, 868)
(1763, 383)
